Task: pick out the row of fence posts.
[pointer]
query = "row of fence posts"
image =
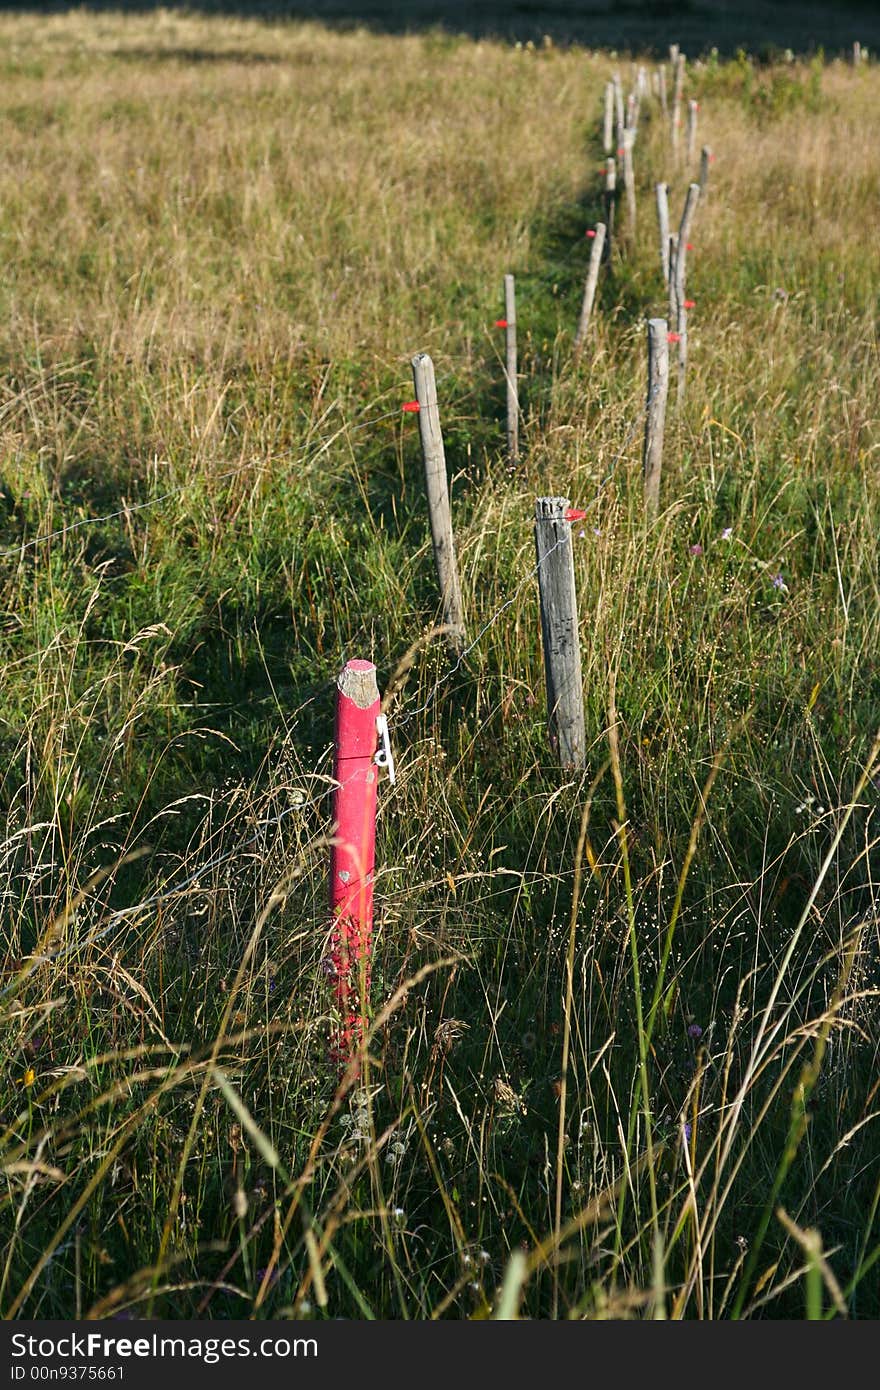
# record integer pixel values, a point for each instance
(361, 736)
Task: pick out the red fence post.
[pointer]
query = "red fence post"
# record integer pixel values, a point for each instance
(353, 856)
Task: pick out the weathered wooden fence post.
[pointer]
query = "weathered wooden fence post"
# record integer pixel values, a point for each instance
(655, 411)
(510, 370)
(434, 459)
(705, 161)
(661, 90)
(608, 127)
(610, 200)
(559, 630)
(676, 101)
(353, 854)
(590, 286)
(662, 192)
(684, 231)
(693, 108)
(629, 181)
(672, 282)
(856, 53)
(618, 108)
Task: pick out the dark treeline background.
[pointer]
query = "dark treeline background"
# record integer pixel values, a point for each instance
(762, 27)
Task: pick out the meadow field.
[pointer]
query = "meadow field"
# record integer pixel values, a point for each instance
(623, 1052)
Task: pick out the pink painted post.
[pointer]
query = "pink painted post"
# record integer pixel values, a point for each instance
(353, 856)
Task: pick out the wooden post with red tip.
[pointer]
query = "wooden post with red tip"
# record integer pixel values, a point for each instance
(655, 412)
(559, 630)
(598, 239)
(437, 488)
(353, 854)
(510, 371)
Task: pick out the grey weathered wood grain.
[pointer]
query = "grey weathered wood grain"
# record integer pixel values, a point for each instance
(559, 631)
(705, 161)
(662, 192)
(629, 180)
(608, 126)
(693, 109)
(590, 286)
(661, 90)
(655, 411)
(673, 283)
(678, 91)
(618, 108)
(610, 200)
(439, 514)
(680, 320)
(510, 370)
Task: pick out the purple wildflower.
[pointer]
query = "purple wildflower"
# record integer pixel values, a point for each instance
(695, 550)
(687, 1131)
(727, 533)
(694, 1030)
(779, 583)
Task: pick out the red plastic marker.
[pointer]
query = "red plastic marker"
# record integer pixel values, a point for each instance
(673, 337)
(501, 323)
(411, 407)
(689, 246)
(690, 304)
(621, 152)
(711, 159)
(353, 855)
(589, 232)
(574, 514)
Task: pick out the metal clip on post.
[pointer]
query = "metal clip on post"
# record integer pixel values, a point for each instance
(384, 757)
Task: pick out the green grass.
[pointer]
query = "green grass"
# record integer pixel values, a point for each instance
(212, 278)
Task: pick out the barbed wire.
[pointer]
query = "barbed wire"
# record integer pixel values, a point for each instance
(163, 895)
(128, 509)
(192, 878)
(528, 578)
(208, 866)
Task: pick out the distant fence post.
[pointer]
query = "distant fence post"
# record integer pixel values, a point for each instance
(678, 72)
(559, 630)
(663, 226)
(610, 200)
(608, 126)
(618, 108)
(684, 231)
(705, 161)
(590, 286)
(661, 90)
(353, 854)
(856, 53)
(693, 108)
(673, 283)
(510, 370)
(629, 181)
(434, 459)
(655, 411)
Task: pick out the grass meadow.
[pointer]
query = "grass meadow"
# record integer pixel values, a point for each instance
(623, 1052)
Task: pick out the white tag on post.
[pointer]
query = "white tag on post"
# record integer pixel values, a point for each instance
(384, 757)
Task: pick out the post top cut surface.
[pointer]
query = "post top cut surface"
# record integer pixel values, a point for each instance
(357, 681)
(551, 508)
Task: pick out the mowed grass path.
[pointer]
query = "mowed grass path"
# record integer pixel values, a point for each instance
(220, 244)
